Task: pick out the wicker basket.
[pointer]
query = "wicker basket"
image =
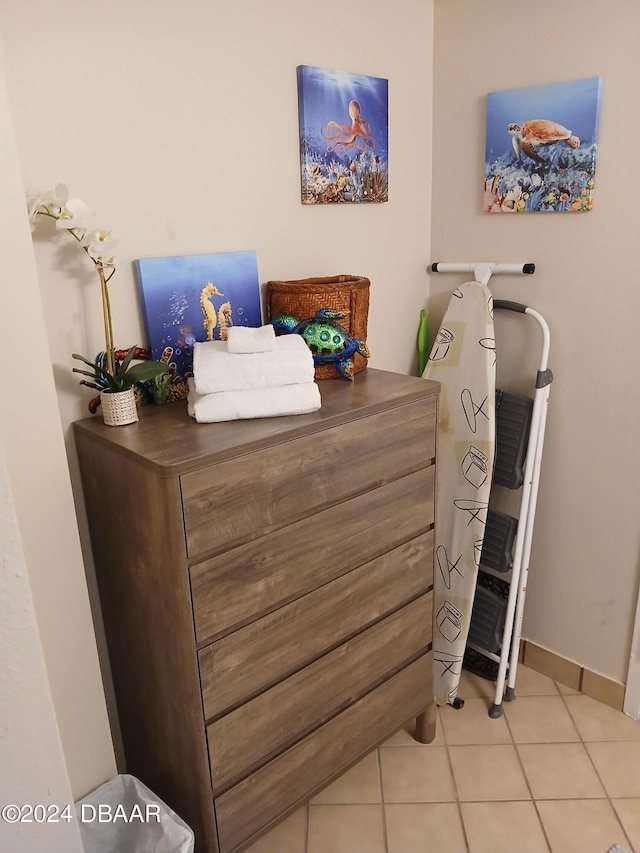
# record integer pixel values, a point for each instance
(347, 294)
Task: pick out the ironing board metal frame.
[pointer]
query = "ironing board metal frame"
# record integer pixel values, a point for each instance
(483, 270)
(511, 635)
(510, 648)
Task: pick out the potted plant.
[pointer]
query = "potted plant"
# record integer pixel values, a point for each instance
(117, 404)
(112, 372)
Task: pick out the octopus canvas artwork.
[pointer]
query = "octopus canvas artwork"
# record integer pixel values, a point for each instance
(343, 124)
(541, 148)
(192, 298)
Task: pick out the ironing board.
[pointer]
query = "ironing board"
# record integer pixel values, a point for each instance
(462, 359)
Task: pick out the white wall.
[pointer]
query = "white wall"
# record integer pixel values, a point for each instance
(32, 438)
(179, 128)
(33, 767)
(583, 582)
(177, 123)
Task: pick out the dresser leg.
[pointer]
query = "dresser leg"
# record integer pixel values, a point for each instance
(426, 724)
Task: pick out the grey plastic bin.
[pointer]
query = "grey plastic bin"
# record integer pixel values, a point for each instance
(124, 816)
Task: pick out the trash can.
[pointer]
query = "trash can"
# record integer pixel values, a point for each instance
(124, 815)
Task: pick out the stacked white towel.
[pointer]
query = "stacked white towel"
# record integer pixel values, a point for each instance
(265, 376)
(256, 403)
(245, 339)
(216, 369)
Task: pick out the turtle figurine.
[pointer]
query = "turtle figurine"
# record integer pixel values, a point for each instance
(329, 342)
(530, 135)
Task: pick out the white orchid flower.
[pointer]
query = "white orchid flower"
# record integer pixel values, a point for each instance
(49, 203)
(74, 215)
(99, 246)
(56, 198)
(33, 208)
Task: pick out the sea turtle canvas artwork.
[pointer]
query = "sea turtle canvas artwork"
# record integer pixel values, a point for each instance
(541, 148)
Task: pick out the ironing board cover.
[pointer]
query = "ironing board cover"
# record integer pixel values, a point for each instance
(462, 359)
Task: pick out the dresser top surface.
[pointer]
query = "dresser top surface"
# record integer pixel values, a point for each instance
(169, 440)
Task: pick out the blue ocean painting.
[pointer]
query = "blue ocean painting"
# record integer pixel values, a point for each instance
(344, 136)
(193, 298)
(541, 147)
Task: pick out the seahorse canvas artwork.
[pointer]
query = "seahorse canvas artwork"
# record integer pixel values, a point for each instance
(541, 148)
(344, 136)
(191, 298)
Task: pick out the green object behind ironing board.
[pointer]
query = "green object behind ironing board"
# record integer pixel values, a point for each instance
(423, 341)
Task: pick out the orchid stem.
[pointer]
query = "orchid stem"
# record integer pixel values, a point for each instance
(108, 329)
(104, 292)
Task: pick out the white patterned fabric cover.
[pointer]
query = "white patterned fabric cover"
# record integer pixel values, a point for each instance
(462, 359)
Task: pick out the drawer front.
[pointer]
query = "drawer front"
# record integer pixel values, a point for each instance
(236, 501)
(232, 589)
(248, 737)
(292, 778)
(253, 658)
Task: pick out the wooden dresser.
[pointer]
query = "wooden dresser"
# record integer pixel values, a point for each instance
(266, 587)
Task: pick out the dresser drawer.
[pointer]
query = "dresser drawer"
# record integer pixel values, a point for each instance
(256, 656)
(246, 738)
(241, 499)
(235, 588)
(292, 778)
(280, 578)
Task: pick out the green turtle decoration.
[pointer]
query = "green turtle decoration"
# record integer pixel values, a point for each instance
(329, 342)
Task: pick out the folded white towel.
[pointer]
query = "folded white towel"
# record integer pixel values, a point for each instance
(255, 403)
(216, 369)
(243, 339)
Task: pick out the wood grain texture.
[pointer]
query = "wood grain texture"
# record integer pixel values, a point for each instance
(138, 549)
(426, 724)
(254, 579)
(236, 501)
(296, 775)
(170, 442)
(249, 660)
(296, 630)
(243, 740)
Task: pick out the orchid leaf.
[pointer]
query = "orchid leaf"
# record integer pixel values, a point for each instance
(144, 371)
(83, 372)
(97, 369)
(82, 358)
(120, 372)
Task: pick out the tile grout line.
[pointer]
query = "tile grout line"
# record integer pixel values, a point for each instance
(455, 784)
(595, 769)
(581, 740)
(382, 803)
(526, 778)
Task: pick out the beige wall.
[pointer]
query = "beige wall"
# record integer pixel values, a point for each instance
(42, 572)
(179, 129)
(33, 765)
(177, 124)
(584, 574)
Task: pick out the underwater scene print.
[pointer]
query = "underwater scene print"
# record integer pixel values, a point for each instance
(541, 148)
(193, 298)
(344, 136)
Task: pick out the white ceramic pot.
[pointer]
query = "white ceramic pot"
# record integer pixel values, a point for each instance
(119, 407)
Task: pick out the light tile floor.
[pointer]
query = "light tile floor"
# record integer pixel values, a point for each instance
(559, 772)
